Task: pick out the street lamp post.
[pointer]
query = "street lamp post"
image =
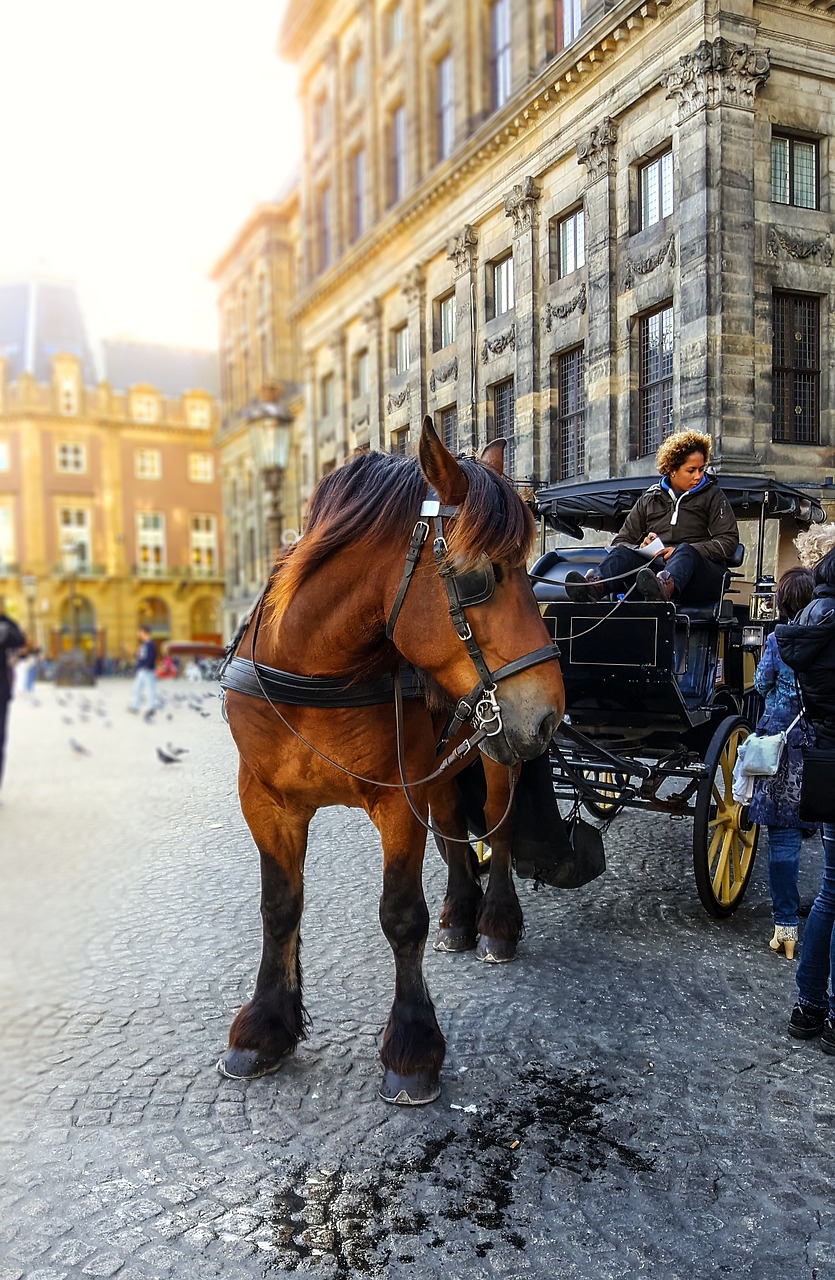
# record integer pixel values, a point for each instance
(72, 669)
(270, 429)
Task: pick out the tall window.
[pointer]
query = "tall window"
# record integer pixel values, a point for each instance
(360, 374)
(444, 108)
(72, 459)
(449, 428)
(147, 464)
(655, 379)
(400, 441)
(569, 18)
(568, 244)
(199, 413)
(570, 440)
(201, 468)
(503, 421)
(796, 369)
(794, 171)
(397, 154)
(393, 25)
(203, 546)
(500, 53)
(503, 292)
(145, 408)
(357, 193)
(150, 544)
(656, 189)
(400, 349)
(445, 322)
(321, 118)
(323, 226)
(7, 556)
(355, 76)
(74, 531)
(4, 455)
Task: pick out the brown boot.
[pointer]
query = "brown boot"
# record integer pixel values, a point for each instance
(655, 586)
(584, 590)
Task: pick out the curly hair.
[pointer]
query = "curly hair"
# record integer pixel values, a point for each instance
(812, 544)
(677, 448)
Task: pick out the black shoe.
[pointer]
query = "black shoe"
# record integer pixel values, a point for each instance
(805, 1024)
(584, 590)
(655, 586)
(828, 1036)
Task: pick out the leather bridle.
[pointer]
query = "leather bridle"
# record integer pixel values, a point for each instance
(464, 588)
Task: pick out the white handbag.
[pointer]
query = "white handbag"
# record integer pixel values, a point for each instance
(761, 752)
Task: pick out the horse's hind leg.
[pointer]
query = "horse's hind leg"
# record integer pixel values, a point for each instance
(500, 920)
(413, 1047)
(270, 1025)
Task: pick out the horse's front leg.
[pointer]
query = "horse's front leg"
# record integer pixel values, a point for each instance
(271, 1024)
(413, 1047)
(500, 921)
(457, 922)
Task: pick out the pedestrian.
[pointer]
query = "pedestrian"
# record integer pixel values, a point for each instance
(145, 680)
(11, 639)
(685, 519)
(775, 802)
(808, 647)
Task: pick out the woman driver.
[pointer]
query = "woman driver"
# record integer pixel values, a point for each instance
(689, 513)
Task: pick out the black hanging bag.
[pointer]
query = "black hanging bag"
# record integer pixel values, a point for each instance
(817, 787)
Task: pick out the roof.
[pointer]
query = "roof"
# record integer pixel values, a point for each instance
(604, 504)
(40, 319)
(172, 370)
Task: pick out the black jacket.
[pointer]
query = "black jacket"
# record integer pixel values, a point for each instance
(11, 638)
(807, 645)
(702, 517)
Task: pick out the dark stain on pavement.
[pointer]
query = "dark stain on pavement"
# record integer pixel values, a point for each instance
(346, 1218)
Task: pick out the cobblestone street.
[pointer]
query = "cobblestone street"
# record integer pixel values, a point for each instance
(622, 1101)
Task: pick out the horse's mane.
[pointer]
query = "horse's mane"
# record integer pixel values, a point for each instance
(375, 498)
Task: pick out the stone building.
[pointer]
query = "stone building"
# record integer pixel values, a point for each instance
(578, 224)
(256, 281)
(109, 495)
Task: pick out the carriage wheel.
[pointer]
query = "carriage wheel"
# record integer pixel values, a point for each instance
(608, 787)
(724, 842)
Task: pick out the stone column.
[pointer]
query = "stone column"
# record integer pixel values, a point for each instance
(462, 250)
(522, 205)
(597, 151)
(371, 316)
(414, 291)
(715, 88)
(310, 474)
(341, 394)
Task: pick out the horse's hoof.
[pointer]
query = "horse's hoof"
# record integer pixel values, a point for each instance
(455, 940)
(495, 950)
(409, 1091)
(245, 1064)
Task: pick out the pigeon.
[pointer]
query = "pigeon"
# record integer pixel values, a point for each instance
(68, 719)
(176, 751)
(165, 758)
(77, 748)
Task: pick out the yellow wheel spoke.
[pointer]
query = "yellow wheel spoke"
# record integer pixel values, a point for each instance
(721, 879)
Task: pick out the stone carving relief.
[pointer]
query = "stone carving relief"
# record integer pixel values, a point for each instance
(520, 205)
(461, 250)
(564, 309)
(495, 346)
(717, 74)
(412, 285)
(444, 373)
(643, 266)
(596, 151)
(397, 401)
(371, 313)
(796, 248)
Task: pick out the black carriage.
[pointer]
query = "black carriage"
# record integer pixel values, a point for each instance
(659, 698)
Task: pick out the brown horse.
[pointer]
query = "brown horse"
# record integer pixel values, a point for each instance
(358, 595)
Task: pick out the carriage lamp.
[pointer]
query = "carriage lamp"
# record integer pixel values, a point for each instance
(753, 637)
(270, 430)
(72, 667)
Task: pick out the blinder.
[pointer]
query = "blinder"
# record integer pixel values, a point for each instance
(475, 584)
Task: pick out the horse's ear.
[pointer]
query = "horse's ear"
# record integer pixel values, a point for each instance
(493, 455)
(442, 471)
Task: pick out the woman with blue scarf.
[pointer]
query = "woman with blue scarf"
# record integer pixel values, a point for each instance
(689, 514)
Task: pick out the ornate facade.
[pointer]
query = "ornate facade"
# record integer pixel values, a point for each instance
(578, 226)
(109, 494)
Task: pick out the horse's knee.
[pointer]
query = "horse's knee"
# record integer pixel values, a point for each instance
(405, 921)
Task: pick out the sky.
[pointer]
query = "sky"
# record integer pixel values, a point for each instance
(137, 138)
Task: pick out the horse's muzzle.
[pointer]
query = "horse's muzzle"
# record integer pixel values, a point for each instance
(522, 741)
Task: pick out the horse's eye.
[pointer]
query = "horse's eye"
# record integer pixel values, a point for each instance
(497, 572)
